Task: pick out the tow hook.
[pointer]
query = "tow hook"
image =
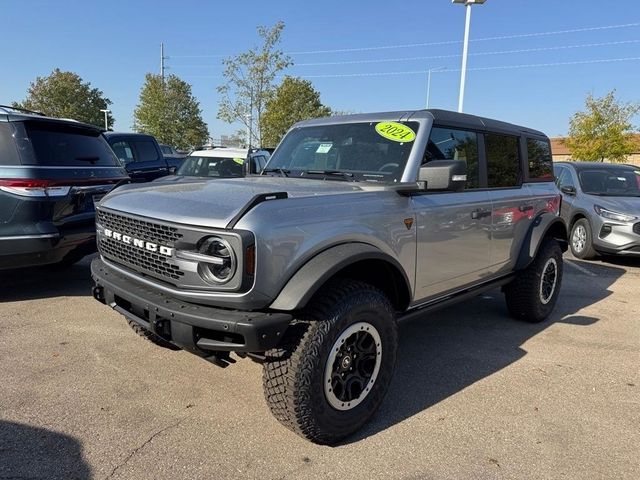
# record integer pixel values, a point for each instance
(98, 293)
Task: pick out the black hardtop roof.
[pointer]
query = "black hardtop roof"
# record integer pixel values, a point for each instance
(454, 119)
(590, 165)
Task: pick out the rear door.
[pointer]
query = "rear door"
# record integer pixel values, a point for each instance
(512, 203)
(141, 156)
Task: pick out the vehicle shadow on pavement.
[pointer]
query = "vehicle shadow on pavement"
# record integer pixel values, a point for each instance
(444, 352)
(33, 452)
(46, 282)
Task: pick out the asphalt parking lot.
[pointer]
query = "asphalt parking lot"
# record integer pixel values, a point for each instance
(475, 395)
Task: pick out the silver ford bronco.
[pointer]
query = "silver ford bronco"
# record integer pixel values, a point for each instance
(355, 223)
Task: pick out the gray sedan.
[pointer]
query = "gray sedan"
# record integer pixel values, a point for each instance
(601, 205)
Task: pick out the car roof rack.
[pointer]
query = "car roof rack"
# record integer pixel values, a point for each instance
(9, 109)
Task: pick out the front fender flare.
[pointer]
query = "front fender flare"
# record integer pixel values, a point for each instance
(313, 274)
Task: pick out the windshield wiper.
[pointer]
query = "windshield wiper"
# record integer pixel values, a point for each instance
(346, 175)
(282, 171)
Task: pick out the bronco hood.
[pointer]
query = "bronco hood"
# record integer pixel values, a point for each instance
(211, 202)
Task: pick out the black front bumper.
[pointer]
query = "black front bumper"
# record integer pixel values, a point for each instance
(200, 329)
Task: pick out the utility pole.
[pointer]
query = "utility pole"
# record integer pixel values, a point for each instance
(162, 59)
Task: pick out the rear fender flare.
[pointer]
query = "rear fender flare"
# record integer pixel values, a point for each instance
(542, 226)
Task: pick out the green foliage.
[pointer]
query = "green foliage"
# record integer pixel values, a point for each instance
(168, 111)
(250, 81)
(294, 100)
(603, 131)
(65, 95)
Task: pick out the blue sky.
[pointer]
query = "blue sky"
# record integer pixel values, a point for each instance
(113, 44)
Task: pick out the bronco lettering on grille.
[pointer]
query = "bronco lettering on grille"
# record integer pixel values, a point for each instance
(136, 242)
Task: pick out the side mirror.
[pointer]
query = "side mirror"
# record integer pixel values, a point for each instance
(447, 175)
(569, 190)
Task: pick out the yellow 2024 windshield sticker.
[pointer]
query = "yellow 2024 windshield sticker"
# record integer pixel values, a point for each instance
(395, 131)
(239, 161)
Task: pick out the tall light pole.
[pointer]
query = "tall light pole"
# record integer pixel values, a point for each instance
(249, 119)
(436, 69)
(465, 48)
(106, 118)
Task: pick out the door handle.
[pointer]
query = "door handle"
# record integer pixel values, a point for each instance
(480, 213)
(525, 208)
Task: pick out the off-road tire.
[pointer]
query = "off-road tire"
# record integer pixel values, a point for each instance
(294, 373)
(150, 336)
(524, 294)
(587, 252)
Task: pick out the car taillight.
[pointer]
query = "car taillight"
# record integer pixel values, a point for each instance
(554, 204)
(27, 187)
(33, 188)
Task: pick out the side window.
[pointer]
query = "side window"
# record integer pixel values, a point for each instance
(123, 151)
(146, 151)
(451, 144)
(566, 179)
(558, 172)
(503, 161)
(540, 160)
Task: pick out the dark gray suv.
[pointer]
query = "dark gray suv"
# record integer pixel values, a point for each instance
(355, 222)
(52, 172)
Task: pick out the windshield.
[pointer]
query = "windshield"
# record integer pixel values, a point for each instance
(371, 151)
(612, 182)
(212, 167)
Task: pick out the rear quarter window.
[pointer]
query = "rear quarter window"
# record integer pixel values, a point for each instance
(540, 160)
(147, 151)
(8, 150)
(53, 144)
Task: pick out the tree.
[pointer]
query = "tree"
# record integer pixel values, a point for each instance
(294, 100)
(250, 78)
(169, 111)
(65, 95)
(603, 131)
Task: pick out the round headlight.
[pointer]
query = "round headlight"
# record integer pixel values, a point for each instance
(222, 266)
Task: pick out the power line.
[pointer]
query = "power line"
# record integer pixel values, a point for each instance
(496, 67)
(434, 57)
(446, 42)
(449, 42)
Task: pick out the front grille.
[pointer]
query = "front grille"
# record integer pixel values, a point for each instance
(139, 258)
(636, 228)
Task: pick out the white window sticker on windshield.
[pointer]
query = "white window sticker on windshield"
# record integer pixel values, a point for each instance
(324, 148)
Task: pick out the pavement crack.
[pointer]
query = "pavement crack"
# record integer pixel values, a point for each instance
(137, 449)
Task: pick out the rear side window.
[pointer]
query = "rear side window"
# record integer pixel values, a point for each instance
(54, 144)
(123, 151)
(540, 160)
(8, 151)
(450, 144)
(147, 151)
(503, 161)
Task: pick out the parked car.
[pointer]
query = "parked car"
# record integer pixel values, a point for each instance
(141, 156)
(355, 222)
(52, 172)
(222, 163)
(601, 206)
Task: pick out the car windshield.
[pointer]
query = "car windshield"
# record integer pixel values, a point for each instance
(611, 181)
(195, 166)
(371, 151)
